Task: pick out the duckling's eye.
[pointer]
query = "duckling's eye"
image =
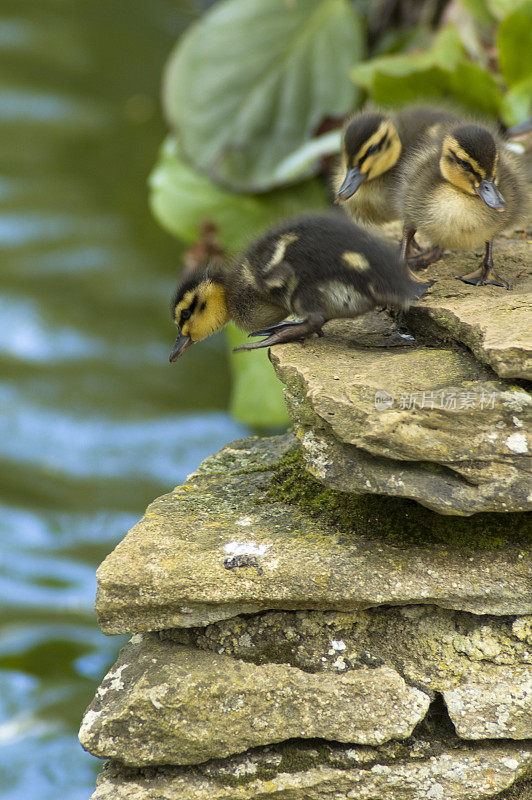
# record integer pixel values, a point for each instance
(465, 165)
(372, 149)
(185, 314)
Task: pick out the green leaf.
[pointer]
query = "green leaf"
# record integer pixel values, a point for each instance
(517, 103)
(442, 72)
(399, 90)
(182, 198)
(257, 393)
(475, 88)
(446, 50)
(515, 45)
(468, 85)
(502, 8)
(305, 157)
(251, 81)
(479, 10)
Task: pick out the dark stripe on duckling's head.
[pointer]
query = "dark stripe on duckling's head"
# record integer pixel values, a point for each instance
(479, 148)
(359, 131)
(182, 290)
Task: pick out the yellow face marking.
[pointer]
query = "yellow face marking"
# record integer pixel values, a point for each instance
(210, 312)
(356, 261)
(457, 175)
(461, 153)
(386, 157)
(495, 165)
(453, 172)
(280, 249)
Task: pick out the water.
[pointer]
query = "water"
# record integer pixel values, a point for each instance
(95, 422)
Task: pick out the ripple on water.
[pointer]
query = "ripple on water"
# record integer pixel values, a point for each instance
(164, 449)
(94, 423)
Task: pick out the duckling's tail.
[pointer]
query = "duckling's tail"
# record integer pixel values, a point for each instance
(419, 288)
(405, 294)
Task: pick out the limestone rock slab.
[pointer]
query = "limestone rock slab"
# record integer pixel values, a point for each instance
(484, 708)
(164, 703)
(348, 468)
(432, 648)
(495, 325)
(482, 665)
(321, 772)
(217, 546)
(429, 423)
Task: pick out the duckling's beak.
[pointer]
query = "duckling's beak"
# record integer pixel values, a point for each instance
(180, 345)
(489, 193)
(352, 181)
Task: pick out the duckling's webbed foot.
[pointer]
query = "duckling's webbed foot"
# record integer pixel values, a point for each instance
(287, 332)
(485, 274)
(272, 328)
(481, 277)
(413, 255)
(424, 258)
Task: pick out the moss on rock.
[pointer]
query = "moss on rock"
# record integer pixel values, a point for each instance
(400, 521)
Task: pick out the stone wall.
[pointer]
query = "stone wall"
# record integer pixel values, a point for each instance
(345, 611)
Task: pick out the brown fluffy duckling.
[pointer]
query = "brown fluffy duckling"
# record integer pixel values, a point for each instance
(375, 147)
(460, 192)
(318, 267)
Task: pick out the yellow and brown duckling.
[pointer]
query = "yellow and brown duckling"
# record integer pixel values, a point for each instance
(375, 147)
(318, 267)
(459, 193)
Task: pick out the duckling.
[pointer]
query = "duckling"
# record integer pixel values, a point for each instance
(375, 147)
(460, 192)
(318, 267)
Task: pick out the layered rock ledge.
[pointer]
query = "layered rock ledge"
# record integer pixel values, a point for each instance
(412, 652)
(429, 423)
(416, 770)
(222, 545)
(495, 325)
(197, 693)
(347, 612)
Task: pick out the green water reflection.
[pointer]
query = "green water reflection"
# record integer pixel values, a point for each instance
(95, 423)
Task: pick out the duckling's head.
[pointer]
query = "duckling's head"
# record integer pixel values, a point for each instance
(468, 160)
(371, 146)
(199, 308)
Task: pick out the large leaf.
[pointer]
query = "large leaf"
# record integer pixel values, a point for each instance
(251, 81)
(399, 90)
(182, 198)
(502, 8)
(475, 88)
(256, 392)
(441, 72)
(517, 103)
(479, 10)
(296, 163)
(446, 50)
(515, 45)
(468, 85)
